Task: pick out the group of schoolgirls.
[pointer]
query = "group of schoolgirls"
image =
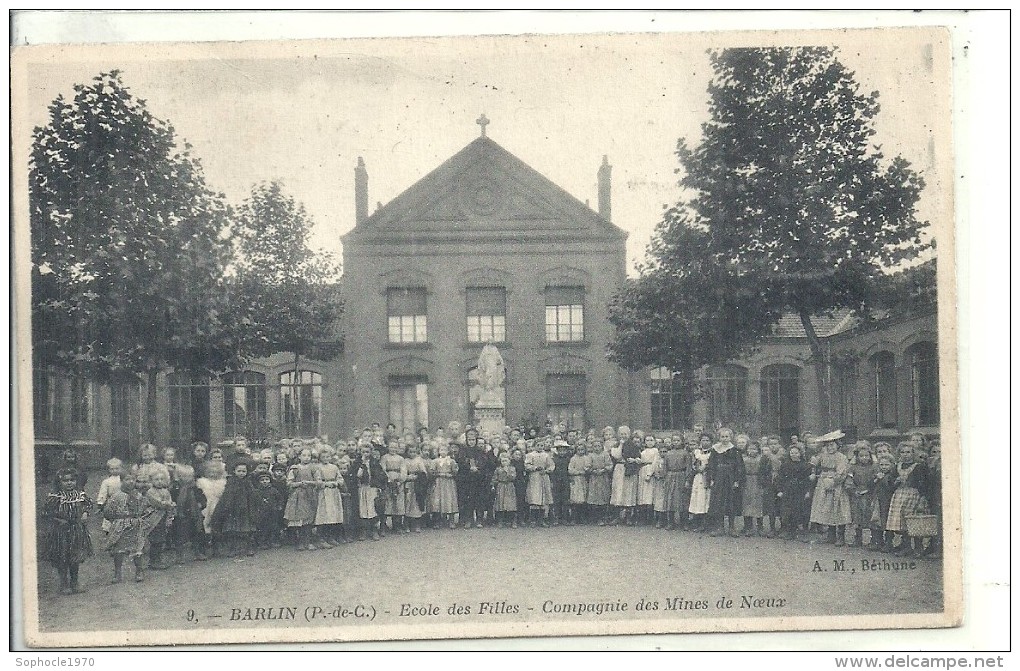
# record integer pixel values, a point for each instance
(310, 495)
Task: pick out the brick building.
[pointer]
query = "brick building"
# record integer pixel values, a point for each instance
(483, 248)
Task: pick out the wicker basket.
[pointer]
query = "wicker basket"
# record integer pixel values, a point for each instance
(922, 525)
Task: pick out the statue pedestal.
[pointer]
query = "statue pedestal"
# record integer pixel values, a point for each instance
(490, 418)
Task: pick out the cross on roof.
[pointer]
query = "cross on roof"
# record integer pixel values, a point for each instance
(482, 121)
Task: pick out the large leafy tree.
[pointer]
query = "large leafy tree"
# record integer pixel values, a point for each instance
(128, 246)
(788, 207)
(284, 295)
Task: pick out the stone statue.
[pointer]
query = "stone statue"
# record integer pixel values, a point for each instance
(488, 378)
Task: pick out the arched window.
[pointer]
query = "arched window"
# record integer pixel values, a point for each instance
(924, 383)
(883, 366)
(301, 400)
(780, 400)
(726, 388)
(669, 400)
(189, 409)
(244, 402)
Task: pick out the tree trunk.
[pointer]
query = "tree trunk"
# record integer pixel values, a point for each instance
(150, 405)
(821, 373)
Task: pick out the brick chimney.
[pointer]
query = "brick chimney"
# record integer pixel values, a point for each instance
(605, 189)
(360, 192)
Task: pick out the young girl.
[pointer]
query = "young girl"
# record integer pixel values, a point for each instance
(755, 471)
(415, 487)
(772, 461)
(539, 465)
(911, 481)
(234, 517)
(329, 513)
(793, 488)
(67, 544)
(505, 505)
(884, 485)
(269, 504)
(444, 494)
(600, 481)
(659, 510)
(147, 465)
(199, 456)
(211, 484)
(562, 453)
(577, 469)
(371, 480)
(725, 473)
(301, 501)
(396, 475)
(698, 506)
(517, 457)
(646, 485)
(830, 505)
(109, 486)
(126, 511)
(676, 464)
(69, 459)
(860, 481)
(627, 460)
(188, 527)
(165, 509)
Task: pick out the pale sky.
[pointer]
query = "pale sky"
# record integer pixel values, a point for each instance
(302, 113)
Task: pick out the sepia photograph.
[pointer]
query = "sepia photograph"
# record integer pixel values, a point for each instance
(464, 337)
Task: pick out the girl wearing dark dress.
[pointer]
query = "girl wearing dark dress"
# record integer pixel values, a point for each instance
(234, 517)
(884, 485)
(724, 473)
(793, 489)
(67, 544)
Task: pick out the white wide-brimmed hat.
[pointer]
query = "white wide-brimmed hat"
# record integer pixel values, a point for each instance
(830, 437)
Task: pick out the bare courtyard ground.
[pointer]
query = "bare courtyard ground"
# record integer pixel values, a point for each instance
(534, 571)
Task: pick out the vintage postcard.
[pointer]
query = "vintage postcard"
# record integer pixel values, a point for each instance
(489, 336)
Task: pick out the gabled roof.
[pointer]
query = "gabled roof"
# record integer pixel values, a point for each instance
(482, 189)
(790, 326)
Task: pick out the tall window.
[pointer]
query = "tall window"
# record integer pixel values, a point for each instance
(564, 314)
(846, 389)
(301, 400)
(669, 401)
(780, 400)
(727, 392)
(46, 407)
(924, 379)
(408, 321)
(189, 409)
(565, 400)
(82, 402)
(120, 395)
(409, 402)
(486, 314)
(244, 401)
(884, 366)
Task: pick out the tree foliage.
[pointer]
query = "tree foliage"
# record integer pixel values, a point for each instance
(284, 296)
(788, 207)
(127, 255)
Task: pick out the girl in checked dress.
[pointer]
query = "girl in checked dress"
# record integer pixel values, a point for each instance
(911, 481)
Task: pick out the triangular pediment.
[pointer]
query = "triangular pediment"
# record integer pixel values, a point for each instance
(485, 188)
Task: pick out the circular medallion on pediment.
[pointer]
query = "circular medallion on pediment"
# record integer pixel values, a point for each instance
(483, 197)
